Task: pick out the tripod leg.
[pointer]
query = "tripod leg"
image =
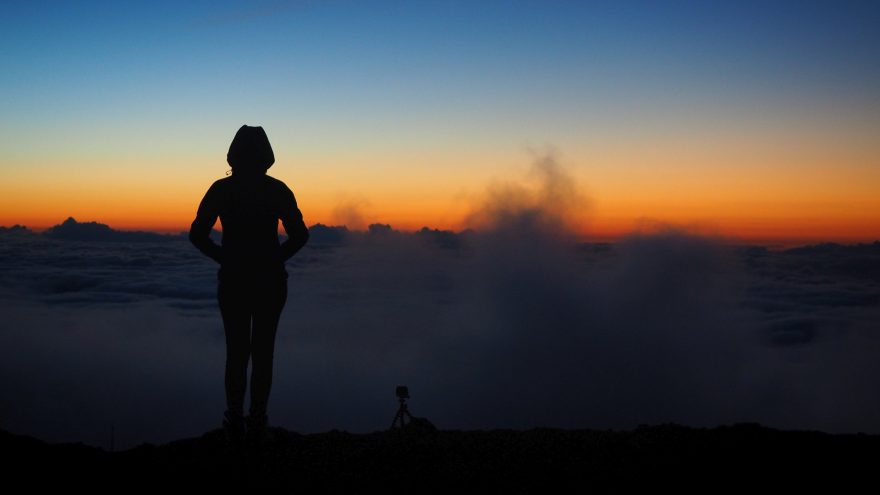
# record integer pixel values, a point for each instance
(402, 414)
(398, 417)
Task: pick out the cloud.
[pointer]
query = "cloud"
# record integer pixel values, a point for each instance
(350, 212)
(321, 235)
(549, 201)
(446, 239)
(74, 272)
(15, 230)
(70, 229)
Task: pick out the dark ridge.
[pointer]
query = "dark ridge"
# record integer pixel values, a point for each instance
(380, 229)
(71, 230)
(15, 230)
(328, 235)
(446, 239)
(833, 247)
(420, 459)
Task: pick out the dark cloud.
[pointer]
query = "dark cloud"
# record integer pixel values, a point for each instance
(70, 229)
(323, 235)
(446, 239)
(792, 331)
(75, 272)
(15, 230)
(859, 262)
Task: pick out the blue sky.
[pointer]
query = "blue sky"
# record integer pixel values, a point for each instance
(109, 61)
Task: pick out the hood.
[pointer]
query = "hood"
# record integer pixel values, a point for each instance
(250, 150)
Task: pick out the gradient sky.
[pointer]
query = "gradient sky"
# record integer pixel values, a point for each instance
(749, 119)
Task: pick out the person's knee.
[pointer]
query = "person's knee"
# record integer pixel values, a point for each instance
(238, 356)
(262, 355)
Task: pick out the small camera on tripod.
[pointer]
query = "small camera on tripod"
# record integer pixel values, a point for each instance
(400, 419)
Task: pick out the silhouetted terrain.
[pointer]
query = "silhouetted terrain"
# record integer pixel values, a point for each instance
(743, 456)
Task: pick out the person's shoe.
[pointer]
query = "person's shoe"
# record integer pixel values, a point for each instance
(257, 426)
(234, 427)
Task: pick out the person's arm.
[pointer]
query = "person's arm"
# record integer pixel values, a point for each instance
(206, 217)
(292, 219)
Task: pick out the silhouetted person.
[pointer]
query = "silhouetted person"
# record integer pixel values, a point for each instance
(252, 280)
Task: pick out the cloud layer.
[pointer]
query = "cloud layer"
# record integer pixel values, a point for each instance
(513, 325)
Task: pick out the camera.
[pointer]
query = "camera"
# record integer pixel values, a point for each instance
(402, 392)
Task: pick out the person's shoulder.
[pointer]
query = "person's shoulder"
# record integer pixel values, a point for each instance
(222, 183)
(278, 185)
(275, 182)
(218, 187)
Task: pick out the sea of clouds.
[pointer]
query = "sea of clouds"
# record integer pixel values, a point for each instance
(515, 324)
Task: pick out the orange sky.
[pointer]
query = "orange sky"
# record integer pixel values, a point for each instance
(758, 192)
(789, 181)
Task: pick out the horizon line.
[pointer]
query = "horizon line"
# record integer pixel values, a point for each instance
(587, 238)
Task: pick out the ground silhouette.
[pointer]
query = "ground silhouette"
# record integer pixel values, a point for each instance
(421, 459)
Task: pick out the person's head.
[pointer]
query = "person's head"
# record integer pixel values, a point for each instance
(250, 151)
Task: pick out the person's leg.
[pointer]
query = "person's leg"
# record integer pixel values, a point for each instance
(266, 315)
(237, 326)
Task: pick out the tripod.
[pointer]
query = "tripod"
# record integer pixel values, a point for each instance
(403, 410)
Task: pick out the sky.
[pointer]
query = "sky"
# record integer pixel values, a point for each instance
(754, 121)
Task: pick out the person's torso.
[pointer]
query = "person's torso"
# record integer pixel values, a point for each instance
(249, 213)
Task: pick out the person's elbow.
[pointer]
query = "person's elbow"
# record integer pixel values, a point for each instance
(196, 235)
(193, 237)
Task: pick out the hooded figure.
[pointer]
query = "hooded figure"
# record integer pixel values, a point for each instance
(250, 151)
(252, 280)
